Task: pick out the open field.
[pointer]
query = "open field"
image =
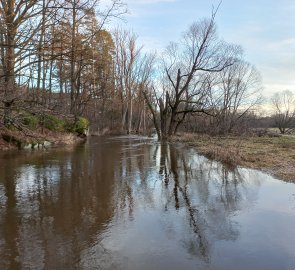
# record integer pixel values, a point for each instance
(275, 155)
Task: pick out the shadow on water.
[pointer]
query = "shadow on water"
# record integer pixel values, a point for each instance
(132, 203)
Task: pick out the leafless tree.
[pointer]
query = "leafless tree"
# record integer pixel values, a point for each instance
(284, 111)
(30, 49)
(184, 88)
(132, 73)
(19, 24)
(235, 93)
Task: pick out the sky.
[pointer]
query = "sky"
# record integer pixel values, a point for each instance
(264, 28)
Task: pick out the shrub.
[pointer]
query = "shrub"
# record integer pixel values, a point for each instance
(52, 122)
(31, 121)
(80, 126)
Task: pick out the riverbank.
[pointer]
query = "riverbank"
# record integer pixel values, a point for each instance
(39, 138)
(274, 155)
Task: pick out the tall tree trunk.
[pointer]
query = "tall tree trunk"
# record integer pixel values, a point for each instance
(73, 59)
(129, 130)
(9, 76)
(41, 54)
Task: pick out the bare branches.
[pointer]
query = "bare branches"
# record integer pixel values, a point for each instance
(56, 45)
(133, 71)
(199, 72)
(284, 111)
(186, 69)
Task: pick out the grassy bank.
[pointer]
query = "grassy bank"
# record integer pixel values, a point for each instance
(40, 131)
(275, 155)
(15, 139)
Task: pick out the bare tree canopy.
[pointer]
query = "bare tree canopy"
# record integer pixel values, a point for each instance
(189, 71)
(284, 111)
(235, 93)
(51, 46)
(57, 55)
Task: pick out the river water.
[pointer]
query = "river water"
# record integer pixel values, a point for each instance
(131, 203)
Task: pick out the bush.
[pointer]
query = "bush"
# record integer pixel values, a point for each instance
(80, 126)
(52, 122)
(31, 121)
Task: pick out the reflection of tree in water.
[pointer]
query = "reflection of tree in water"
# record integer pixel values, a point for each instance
(132, 176)
(208, 191)
(173, 167)
(56, 203)
(9, 231)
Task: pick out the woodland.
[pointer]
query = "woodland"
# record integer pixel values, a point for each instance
(62, 68)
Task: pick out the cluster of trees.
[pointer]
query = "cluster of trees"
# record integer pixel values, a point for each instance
(204, 75)
(54, 55)
(283, 104)
(57, 55)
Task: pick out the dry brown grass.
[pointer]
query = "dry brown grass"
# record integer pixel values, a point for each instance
(275, 155)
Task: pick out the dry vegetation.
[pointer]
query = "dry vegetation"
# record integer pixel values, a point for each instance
(15, 139)
(275, 155)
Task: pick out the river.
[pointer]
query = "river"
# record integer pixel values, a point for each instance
(132, 203)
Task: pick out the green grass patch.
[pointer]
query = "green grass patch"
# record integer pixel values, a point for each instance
(52, 122)
(31, 121)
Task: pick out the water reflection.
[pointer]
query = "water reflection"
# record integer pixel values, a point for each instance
(209, 193)
(130, 203)
(53, 206)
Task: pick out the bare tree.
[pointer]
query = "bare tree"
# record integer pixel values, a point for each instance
(19, 24)
(132, 73)
(284, 111)
(186, 67)
(79, 11)
(46, 40)
(236, 91)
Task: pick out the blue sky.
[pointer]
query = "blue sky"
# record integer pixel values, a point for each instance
(264, 28)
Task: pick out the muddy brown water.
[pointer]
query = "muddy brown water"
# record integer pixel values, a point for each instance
(131, 203)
